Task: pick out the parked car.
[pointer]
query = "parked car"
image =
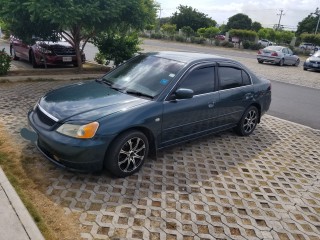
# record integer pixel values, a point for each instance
(150, 102)
(278, 55)
(265, 42)
(313, 62)
(309, 47)
(220, 37)
(41, 52)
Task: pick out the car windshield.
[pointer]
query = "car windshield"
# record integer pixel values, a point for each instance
(145, 75)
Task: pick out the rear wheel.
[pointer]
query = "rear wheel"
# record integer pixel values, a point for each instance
(281, 62)
(248, 122)
(127, 153)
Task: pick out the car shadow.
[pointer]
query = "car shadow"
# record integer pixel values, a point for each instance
(183, 170)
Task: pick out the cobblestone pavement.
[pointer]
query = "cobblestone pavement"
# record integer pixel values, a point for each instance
(287, 74)
(266, 186)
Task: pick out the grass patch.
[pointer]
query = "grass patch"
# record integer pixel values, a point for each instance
(30, 180)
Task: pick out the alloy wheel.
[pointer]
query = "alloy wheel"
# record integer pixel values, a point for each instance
(131, 154)
(250, 121)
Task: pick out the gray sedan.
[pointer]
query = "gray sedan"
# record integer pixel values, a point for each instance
(278, 55)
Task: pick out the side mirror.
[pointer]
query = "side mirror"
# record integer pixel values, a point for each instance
(184, 93)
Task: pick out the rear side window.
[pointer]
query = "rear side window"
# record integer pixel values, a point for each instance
(200, 80)
(231, 77)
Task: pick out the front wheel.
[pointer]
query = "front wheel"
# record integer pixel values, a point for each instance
(260, 61)
(297, 62)
(127, 153)
(248, 122)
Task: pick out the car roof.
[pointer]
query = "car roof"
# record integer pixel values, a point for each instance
(187, 57)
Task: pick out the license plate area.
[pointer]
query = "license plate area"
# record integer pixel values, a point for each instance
(315, 65)
(66, 59)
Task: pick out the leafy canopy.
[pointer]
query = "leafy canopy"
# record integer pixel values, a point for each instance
(307, 25)
(188, 16)
(239, 21)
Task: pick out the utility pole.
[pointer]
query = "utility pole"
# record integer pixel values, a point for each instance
(160, 9)
(318, 14)
(281, 14)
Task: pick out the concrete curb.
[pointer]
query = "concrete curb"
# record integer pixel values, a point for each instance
(22, 213)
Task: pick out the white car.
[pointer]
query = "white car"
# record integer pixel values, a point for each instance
(265, 42)
(309, 47)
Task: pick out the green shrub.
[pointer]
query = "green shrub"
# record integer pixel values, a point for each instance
(227, 44)
(99, 58)
(156, 35)
(216, 42)
(246, 44)
(5, 60)
(198, 40)
(255, 46)
(180, 38)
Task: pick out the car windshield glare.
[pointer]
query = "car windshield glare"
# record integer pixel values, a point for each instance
(145, 74)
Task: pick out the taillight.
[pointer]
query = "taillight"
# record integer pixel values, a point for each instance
(274, 54)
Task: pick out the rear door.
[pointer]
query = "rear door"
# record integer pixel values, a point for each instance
(236, 94)
(188, 118)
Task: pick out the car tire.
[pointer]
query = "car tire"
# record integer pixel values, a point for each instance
(248, 122)
(304, 68)
(126, 149)
(297, 62)
(281, 62)
(260, 61)
(33, 60)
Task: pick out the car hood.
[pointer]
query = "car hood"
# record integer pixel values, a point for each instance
(312, 58)
(86, 102)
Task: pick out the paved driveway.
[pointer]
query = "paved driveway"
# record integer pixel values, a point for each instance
(266, 186)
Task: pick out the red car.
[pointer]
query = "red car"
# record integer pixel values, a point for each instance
(41, 52)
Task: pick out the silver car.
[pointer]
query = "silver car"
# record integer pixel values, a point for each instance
(278, 55)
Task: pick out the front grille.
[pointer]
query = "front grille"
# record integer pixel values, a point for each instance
(63, 50)
(315, 62)
(44, 118)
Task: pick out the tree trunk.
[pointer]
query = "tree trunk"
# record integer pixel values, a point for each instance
(78, 54)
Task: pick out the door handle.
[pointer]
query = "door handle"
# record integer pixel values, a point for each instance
(248, 96)
(211, 104)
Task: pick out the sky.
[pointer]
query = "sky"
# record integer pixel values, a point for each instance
(266, 12)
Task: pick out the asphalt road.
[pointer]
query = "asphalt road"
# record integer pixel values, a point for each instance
(290, 102)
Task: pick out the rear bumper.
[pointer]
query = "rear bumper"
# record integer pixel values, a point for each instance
(268, 59)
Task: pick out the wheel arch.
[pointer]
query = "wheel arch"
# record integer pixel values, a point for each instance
(258, 106)
(147, 132)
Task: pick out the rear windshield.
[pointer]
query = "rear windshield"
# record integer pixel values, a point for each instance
(274, 48)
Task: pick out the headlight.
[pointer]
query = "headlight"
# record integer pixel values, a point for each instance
(44, 50)
(79, 131)
(308, 60)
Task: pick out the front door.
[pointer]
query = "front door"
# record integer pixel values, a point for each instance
(187, 118)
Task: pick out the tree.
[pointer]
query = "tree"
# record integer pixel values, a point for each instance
(311, 38)
(117, 45)
(284, 36)
(243, 35)
(307, 25)
(187, 16)
(239, 21)
(211, 32)
(169, 29)
(201, 32)
(187, 31)
(267, 33)
(256, 26)
(79, 21)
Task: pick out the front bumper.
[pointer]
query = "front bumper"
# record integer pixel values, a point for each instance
(58, 59)
(74, 154)
(310, 65)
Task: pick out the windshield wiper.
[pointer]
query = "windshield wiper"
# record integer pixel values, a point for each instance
(109, 83)
(133, 92)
